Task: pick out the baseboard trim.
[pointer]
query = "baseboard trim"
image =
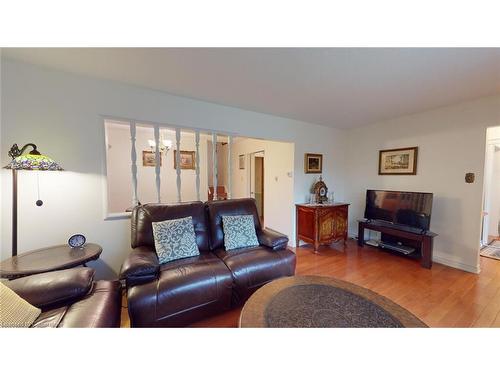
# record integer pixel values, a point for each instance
(455, 262)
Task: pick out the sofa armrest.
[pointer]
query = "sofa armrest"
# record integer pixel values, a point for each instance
(54, 288)
(141, 266)
(272, 239)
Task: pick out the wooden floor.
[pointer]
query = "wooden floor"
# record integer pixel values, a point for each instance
(441, 297)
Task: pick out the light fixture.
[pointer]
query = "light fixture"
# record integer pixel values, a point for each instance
(31, 161)
(165, 144)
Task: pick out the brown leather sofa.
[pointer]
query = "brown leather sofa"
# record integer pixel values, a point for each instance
(71, 298)
(183, 291)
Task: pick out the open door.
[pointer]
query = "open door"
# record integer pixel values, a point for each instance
(257, 181)
(491, 193)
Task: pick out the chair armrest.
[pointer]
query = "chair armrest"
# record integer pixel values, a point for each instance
(140, 266)
(54, 288)
(272, 239)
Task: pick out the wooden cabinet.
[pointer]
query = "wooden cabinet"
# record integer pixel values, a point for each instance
(321, 224)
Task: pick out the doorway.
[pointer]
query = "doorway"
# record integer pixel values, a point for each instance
(491, 199)
(257, 181)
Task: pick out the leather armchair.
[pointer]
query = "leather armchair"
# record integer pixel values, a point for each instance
(71, 298)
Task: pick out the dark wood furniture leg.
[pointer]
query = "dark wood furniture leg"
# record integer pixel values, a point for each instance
(426, 260)
(361, 234)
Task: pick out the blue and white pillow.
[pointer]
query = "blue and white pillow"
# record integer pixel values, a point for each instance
(175, 239)
(239, 231)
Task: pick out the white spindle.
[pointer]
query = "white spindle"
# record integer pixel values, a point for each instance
(229, 167)
(157, 162)
(197, 141)
(214, 158)
(178, 162)
(133, 158)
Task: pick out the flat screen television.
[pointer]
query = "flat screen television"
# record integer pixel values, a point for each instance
(403, 208)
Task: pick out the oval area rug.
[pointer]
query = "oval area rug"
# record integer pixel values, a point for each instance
(322, 302)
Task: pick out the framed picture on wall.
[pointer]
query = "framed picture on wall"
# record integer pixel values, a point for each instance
(149, 159)
(398, 161)
(241, 161)
(313, 163)
(187, 159)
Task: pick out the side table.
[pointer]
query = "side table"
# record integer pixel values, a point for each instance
(48, 259)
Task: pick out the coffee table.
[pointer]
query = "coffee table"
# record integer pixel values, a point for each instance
(48, 259)
(321, 302)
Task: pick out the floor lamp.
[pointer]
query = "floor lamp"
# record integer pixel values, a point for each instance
(31, 161)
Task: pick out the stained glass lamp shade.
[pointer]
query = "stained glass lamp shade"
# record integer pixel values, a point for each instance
(34, 162)
(30, 161)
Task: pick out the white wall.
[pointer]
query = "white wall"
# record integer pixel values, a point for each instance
(61, 113)
(278, 186)
(451, 142)
(493, 136)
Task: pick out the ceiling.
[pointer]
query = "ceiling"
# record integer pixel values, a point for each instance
(336, 87)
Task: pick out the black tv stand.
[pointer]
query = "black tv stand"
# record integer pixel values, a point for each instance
(421, 240)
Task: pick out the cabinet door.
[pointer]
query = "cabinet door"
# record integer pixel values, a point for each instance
(340, 222)
(326, 225)
(305, 223)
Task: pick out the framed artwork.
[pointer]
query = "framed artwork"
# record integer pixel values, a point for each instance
(187, 159)
(149, 159)
(398, 161)
(313, 163)
(241, 161)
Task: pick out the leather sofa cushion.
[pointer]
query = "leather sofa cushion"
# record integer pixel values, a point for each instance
(186, 290)
(253, 267)
(143, 217)
(101, 308)
(54, 288)
(217, 209)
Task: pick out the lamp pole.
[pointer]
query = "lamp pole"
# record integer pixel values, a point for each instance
(47, 163)
(14, 212)
(13, 153)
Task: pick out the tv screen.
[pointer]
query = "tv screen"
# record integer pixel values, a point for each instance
(399, 207)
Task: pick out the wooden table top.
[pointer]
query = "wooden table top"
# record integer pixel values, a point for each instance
(48, 259)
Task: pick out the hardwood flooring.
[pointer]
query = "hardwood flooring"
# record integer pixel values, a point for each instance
(441, 297)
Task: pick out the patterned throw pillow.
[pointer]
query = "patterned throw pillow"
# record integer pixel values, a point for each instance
(14, 310)
(239, 231)
(175, 239)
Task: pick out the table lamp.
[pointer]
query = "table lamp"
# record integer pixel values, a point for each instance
(31, 161)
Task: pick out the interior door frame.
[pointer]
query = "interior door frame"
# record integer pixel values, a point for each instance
(488, 165)
(251, 181)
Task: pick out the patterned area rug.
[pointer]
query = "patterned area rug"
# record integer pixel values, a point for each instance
(492, 250)
(322, 302)
(317, 306)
